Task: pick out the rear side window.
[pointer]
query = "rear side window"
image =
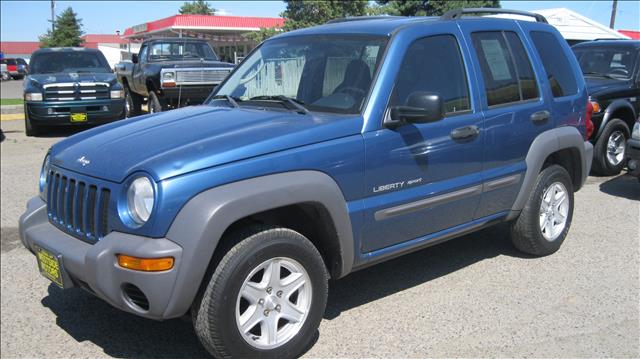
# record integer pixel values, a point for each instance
(506, 68)
(555, 63)
(423, 71)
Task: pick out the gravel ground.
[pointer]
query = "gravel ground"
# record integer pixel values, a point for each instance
(471, 297)
(11, 89)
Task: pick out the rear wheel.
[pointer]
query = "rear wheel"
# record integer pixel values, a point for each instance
(266, 297)
(545, 219)
(133, 103)
(609, 152)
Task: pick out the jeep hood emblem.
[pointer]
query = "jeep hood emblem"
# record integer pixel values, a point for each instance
(83, 161)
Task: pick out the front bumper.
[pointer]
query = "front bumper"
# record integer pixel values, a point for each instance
(52, 113)
(94, 266)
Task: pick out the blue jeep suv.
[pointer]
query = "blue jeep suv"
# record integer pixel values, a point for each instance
(327, 150)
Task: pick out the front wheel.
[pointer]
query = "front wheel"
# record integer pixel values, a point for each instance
(30, 129)
(266, 297)
(132, 104)
(155, 104)
(545, 219)
(609, 151)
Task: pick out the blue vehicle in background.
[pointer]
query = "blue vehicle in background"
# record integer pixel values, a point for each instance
(70, 87)
(327, 150)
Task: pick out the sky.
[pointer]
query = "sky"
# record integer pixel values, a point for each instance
(106, 17)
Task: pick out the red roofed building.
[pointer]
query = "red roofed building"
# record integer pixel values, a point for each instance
(223, 32)
(22, 49)
(632, 34)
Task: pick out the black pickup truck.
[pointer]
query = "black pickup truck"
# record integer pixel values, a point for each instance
(611, 69)
(169, 73)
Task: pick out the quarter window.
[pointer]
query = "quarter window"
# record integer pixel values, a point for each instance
(434, 64)
(506, 68)
(556, 64)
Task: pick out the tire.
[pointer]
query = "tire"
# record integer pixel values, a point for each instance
(30, 129)
(527, 233)
(216, 316)
(133, 103)
(603, 164)
(155, 104)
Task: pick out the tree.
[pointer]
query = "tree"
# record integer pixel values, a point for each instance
(197, 7)
(261, 35)
(304, 13)
(431, 7)
(66, 32)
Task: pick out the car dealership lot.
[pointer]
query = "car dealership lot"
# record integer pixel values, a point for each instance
(473, 296)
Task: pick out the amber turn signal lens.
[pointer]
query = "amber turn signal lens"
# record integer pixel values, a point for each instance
(145, 264)
(168, 84)
(596, 106)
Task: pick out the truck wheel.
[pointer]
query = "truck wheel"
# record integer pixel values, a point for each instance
(133, 103)
(29, 128)
(545, 219)
(155, 104)
(266, 297)
(609, 152)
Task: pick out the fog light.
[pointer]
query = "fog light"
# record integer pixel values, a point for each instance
(145, 264)
(105, 108)
(632, 164)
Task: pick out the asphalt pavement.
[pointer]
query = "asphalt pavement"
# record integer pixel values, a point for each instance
(474, 296)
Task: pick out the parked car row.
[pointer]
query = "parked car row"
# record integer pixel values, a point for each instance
(16, 68)
(327, 150)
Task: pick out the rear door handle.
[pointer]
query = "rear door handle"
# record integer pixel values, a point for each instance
(465, 132)
(540, 116)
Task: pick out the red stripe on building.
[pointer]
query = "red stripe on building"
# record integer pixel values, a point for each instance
(190, 21)
(632, 34)
(19, 47)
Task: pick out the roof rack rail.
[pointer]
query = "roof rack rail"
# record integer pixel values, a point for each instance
(361, 18)
(457, 13)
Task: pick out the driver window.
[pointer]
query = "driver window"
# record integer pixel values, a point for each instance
(142, 57)
(434, 64)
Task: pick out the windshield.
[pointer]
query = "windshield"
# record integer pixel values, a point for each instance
(181, 51)
(324, 73)
(68, 61)
(612, 62)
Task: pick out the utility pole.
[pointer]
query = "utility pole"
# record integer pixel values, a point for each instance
(53, 14)
(613, 14)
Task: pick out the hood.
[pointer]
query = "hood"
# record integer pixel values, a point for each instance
(43, 79)
(172, 143)
(191, 64)
(596, 85)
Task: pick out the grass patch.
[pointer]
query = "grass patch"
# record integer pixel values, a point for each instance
(11, 101)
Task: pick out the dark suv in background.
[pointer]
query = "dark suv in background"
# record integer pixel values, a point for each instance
(612, 73)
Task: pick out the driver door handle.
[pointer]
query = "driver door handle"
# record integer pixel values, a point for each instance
(466, 132)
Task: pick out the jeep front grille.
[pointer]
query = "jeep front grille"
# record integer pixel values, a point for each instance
(201, 76)
(77, 207)
(76, 91)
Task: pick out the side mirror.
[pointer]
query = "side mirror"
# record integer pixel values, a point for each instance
(134, 58)
(421, 107)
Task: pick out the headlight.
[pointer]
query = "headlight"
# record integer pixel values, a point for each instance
(33, 96)
(168, 76)
(140, 198)
(636, 131)
(43, 177)
(117, 94)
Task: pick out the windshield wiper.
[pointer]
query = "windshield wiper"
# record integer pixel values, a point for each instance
(232, 100)
(293, 102)
(599, 74)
